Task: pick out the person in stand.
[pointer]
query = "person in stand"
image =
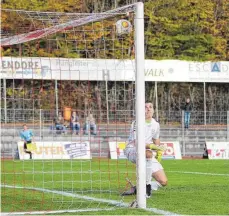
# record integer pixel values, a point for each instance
(75, 124)
(59, 123)
(187, 112)
(90, 125)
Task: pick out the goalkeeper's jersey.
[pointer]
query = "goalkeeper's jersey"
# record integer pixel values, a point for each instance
(152, 131)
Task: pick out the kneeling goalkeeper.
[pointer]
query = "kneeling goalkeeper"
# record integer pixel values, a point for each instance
(152, 142)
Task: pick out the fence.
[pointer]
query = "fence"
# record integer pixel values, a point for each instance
(215, 128)
(166, 118)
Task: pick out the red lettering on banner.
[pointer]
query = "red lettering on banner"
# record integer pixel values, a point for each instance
(219, 153)
(169, 150)
(209, 151)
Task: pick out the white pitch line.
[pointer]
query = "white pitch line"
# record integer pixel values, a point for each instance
(113, 202)
(199, 173)
(55, 212)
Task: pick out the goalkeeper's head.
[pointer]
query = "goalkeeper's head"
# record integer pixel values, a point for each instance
(25, 127)
(149, 110)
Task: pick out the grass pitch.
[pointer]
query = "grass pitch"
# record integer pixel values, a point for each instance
(196, 187)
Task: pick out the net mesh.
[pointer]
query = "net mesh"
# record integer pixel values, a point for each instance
(60, 63)
(43, 24)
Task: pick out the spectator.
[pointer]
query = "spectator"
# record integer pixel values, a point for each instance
(59, 123)
(75, 124)
(90, 125)
(27, 136)
(187, 112)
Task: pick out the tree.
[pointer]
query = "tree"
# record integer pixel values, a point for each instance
(188, 30)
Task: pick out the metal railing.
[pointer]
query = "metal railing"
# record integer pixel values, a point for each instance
(170, 118)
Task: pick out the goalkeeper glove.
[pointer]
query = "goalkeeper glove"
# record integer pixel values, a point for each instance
(157, 147)
(159, 151)
(159, 156)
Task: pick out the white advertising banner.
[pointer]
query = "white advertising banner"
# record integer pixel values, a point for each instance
(66, 69)
(55, 150)
(218, 150)
(166, 70)
(208, 71)
(112, 69)
(173, 150)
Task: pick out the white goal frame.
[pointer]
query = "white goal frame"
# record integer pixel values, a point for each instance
(139, 85)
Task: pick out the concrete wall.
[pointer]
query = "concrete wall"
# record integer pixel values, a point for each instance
(192, 140)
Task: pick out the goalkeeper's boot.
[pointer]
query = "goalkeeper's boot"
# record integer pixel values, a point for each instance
(132, 191)
(148, 190)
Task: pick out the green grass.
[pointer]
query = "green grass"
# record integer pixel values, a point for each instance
(104, 180)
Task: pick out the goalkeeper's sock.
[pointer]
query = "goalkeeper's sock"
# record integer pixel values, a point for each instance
(155, 185)
(149, 165)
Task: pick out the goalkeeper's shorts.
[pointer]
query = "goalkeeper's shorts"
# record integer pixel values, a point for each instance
(130, 152)
(25, 144)
(152, 166)
(29, 146)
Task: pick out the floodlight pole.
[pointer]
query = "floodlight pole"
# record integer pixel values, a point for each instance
(205, 107)
(227, 125)
(156, 105)
(5, 100)
(56, 97)
(140, 107)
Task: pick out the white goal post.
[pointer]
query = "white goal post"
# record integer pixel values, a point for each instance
(140, 109)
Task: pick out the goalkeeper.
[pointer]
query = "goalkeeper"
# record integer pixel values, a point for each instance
(152, 142)
(27, 136)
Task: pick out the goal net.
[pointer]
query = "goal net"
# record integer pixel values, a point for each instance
(71, 79)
